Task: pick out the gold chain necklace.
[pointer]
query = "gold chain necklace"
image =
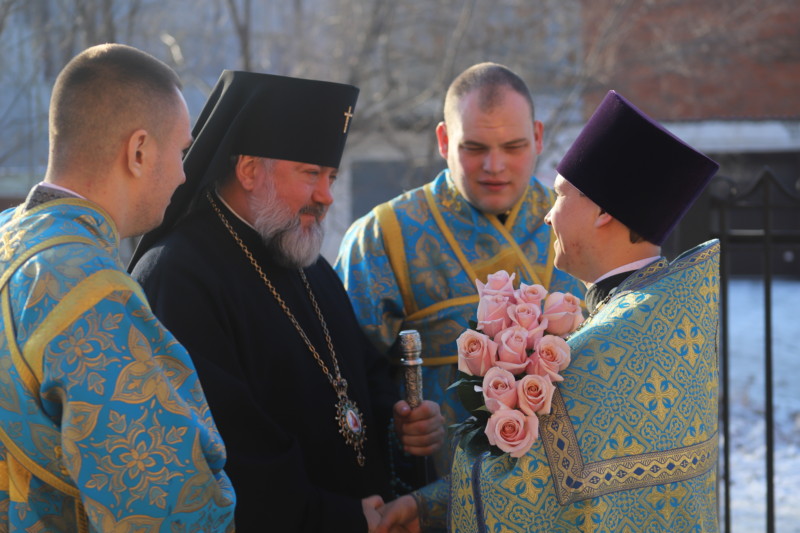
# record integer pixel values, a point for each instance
(351, 423)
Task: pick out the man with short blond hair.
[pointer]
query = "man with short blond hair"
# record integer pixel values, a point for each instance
(103, 424)
(412, 262)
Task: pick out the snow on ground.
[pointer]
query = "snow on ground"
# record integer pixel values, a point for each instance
(747, 404)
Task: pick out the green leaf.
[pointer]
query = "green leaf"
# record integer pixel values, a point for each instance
(475, 442)
(470, 398)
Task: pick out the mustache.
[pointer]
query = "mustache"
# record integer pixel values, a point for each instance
(316, 210)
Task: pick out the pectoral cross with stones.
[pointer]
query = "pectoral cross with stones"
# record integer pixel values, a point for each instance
(348, 115)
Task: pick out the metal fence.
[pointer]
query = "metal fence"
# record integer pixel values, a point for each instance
(758, 221)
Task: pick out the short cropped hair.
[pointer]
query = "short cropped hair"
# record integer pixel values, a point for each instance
(635, 237)
(489, 79)
(104, 94)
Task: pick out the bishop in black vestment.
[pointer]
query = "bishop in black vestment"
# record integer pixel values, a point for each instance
(274, 341)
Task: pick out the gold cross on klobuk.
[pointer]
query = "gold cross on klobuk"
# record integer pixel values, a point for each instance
(348, 115)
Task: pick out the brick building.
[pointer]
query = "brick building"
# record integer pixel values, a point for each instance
(696, 60)
(722, 75)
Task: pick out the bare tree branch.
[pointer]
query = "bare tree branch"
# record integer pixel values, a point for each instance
(241, 23)
(6, 7)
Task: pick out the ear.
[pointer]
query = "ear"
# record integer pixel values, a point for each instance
(140, 143)
(246, 167)
(441, 137)
(602, 219)
(538, 136)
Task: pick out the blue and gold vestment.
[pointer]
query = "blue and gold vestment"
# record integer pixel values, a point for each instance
(631, 444)
(411, 263)
(103, 423)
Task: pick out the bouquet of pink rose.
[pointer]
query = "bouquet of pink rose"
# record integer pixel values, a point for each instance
(509, 360)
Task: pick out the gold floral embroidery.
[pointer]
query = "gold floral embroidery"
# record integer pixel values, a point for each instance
(78, 424)
(9, 243)
(144, 377)
(136, 458)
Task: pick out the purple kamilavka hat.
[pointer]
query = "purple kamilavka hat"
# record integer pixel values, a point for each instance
(636, 170)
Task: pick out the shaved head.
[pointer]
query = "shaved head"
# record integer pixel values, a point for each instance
(490, 80)
(101, 97)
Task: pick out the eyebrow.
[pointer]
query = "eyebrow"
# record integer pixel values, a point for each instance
(471, 143)
(521, 140)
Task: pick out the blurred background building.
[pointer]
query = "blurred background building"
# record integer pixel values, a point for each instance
(724, 75)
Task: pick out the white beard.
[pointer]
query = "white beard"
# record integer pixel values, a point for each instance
(293, 245)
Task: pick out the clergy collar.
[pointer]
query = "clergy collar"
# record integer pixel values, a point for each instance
(47, 192)
(60, 188)
(232, 210)
(635, 265)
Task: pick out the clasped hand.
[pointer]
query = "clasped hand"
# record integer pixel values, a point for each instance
(398, 516)
(421, 432)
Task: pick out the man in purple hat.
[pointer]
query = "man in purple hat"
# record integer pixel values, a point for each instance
(631, 442)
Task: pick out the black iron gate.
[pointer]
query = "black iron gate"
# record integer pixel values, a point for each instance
(758, 226)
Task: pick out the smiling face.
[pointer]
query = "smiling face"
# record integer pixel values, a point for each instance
(573, 218)
(305, 189)
(288, 204)
(491, 152)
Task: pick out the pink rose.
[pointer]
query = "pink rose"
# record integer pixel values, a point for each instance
(512, 352)
(476, 353)
(527, 316)
(512, 431)
(554, 352)
(530, 294)
(493, 314)
(499, 389)
(497, 283)
(563, 313)
(535, 394)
